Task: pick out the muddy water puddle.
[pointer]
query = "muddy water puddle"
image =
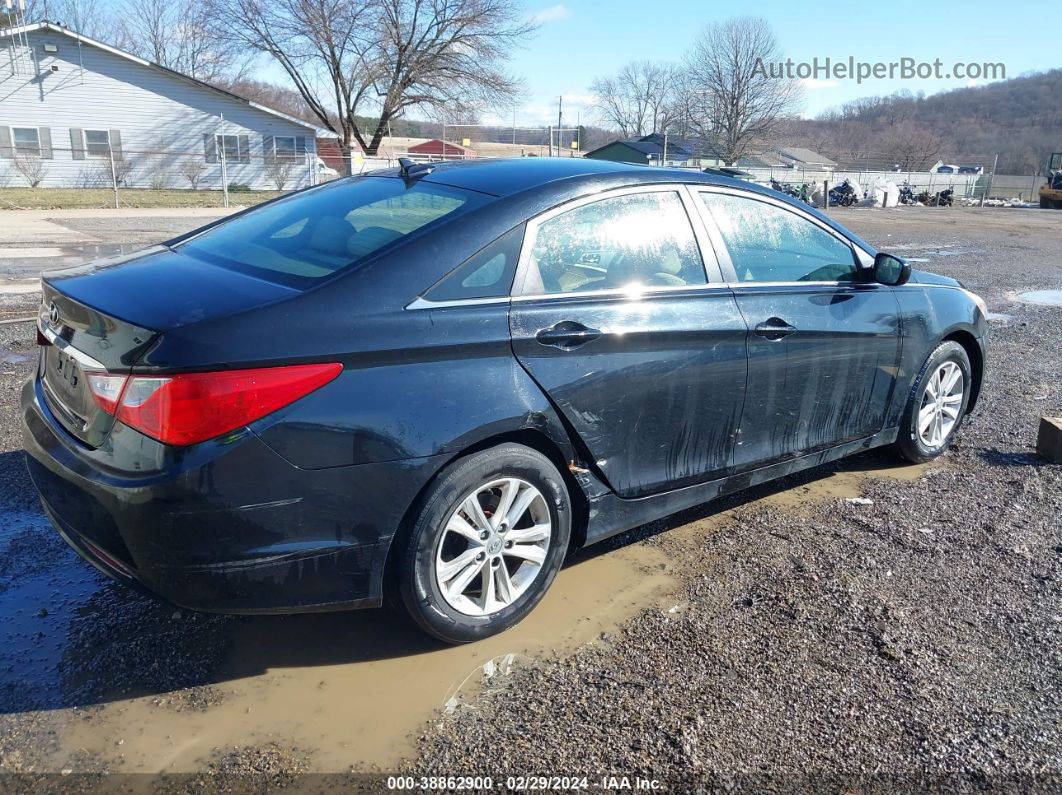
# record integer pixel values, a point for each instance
(351, 688)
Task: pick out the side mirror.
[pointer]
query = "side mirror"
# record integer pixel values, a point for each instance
(891, 270)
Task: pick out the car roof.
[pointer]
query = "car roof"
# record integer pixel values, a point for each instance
(506, 176)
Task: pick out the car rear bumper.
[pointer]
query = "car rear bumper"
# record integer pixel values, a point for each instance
(227, 526)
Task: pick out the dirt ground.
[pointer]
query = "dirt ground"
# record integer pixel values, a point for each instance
(863, 626)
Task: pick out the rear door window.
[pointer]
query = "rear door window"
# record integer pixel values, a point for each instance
(633, 240)
(309, 236)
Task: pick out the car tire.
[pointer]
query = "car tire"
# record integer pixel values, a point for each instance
(431, 575)
(919, 441)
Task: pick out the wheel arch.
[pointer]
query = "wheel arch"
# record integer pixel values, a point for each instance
(531, 437)
(977, 361)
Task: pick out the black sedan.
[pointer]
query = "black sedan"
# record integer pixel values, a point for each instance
(437, 381)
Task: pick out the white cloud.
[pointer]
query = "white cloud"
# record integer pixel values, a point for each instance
(555, 13)
(814, 83)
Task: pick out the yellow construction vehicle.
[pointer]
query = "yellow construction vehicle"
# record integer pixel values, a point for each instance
(1051, 192)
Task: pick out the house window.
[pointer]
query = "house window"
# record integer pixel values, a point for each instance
(230, 145)
(97, 143)
(283, 146)
(27, 140)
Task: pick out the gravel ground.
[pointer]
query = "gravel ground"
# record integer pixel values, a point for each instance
(912, 642)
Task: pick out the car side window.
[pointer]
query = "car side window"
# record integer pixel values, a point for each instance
(770, 244)
(486, 274)
(637, 239)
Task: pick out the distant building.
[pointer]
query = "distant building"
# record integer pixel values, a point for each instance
(447, 150)
(72, 103)
(798, 157)
(793, 157)
(658, 149)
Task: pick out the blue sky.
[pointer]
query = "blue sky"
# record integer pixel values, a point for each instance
(583, 39)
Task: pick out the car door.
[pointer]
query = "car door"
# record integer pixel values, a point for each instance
(823, 341)
(639, 345)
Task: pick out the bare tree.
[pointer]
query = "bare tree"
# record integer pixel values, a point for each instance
(280, 170)
(182, 37)
(84, 16)
(32, 168)
(732, 97)
(911, 146)
(192, 169)
(639, 99)
(286, 100)
(356, 58)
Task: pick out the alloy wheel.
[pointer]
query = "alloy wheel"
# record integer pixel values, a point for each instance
(941, 403)
(493, 546)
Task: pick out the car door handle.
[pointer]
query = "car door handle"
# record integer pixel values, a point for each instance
(567, 335)
(774, 328)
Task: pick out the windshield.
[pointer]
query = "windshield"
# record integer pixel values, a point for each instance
(312, 235)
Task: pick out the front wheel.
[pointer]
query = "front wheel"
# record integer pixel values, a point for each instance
(936, 405)
(489, 538)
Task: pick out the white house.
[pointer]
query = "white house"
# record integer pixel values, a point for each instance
(70, 105)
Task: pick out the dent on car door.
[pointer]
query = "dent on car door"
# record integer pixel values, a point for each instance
(823, 342)
(615, 320)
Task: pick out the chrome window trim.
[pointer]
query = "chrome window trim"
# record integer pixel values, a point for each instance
(711, 248)
(629, 293)
(533, 224)
(78, 356)
(424, 303)
(723, 254)
(744, 284)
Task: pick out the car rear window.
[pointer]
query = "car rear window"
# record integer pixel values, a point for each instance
(299, 240)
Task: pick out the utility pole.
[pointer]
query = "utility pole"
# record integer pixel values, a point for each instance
(560, 122)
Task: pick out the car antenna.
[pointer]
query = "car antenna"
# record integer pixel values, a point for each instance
(408, 169)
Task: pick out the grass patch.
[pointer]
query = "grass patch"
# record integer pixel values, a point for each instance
(95, 198)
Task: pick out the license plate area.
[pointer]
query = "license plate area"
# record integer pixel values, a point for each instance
(66, 386)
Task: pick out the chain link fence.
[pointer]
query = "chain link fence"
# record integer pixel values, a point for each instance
(217, 178)
(129, 174)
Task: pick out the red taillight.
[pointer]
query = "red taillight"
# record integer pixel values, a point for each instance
(189, 408)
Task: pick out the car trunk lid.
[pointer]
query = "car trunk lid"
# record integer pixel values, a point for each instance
(105, 315)
(83, 340)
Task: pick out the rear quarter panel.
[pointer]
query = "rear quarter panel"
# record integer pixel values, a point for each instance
(437, 381)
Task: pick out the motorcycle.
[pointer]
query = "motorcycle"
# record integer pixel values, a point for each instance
(843, 195)
(907, 195)
(796, 191)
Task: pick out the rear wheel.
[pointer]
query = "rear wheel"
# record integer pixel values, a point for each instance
(1045, 204)
(936, 405)
(490, 537)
